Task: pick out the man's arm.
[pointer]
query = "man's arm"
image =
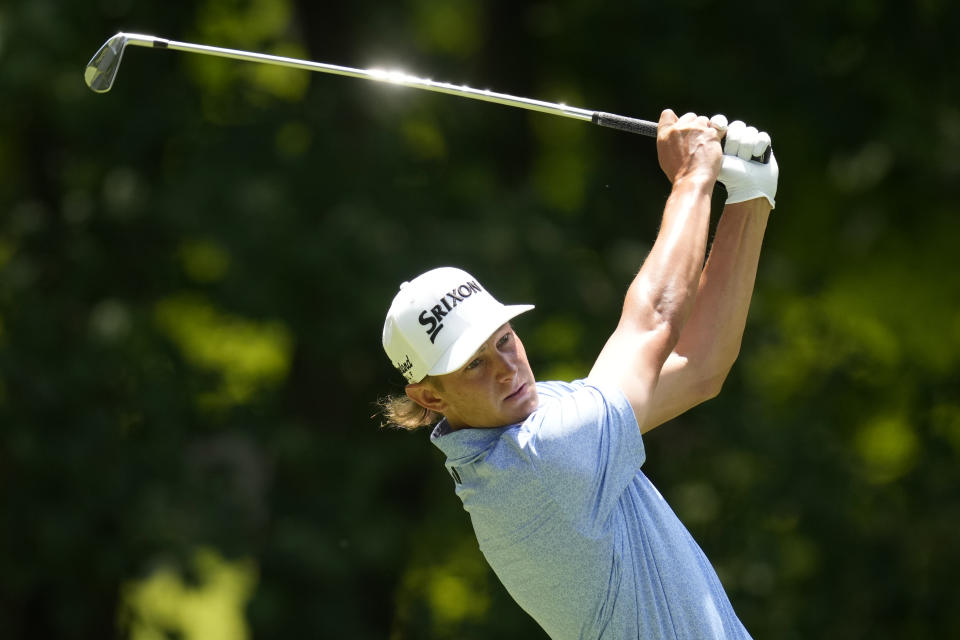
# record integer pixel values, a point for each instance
(710, 341)
(661, 296)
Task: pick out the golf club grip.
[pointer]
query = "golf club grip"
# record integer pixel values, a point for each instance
(647, 128)
(633, 125)
(764, 159)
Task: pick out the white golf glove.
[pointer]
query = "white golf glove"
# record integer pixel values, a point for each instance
(744, 178)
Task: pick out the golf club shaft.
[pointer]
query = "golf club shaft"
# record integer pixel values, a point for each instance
(102, 69)
(614, 121)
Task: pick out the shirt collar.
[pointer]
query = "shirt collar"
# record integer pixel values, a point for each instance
(464, 443)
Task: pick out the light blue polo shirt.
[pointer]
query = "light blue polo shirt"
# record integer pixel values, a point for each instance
(578, 535)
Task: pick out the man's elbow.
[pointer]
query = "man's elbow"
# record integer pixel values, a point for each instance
(712, 387)
(713, 383)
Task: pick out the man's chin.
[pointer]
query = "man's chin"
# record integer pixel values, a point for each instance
(525, 403)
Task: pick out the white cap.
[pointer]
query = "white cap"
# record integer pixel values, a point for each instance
(438, 320)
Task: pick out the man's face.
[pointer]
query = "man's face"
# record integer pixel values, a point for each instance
(494, 389)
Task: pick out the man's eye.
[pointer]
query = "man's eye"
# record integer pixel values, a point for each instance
(503, 340)
(473, 364)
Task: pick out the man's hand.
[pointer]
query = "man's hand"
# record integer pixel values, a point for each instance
(688, 147)
(744, 178)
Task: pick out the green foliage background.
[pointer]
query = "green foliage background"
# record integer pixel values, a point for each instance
(194, 270)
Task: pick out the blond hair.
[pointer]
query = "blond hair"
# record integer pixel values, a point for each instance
(402, 412)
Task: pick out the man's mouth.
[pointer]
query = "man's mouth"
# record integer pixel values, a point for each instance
(516, 393)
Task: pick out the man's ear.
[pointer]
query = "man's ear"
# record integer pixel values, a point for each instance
(425, 396)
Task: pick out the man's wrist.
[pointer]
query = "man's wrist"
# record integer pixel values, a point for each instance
(696, 182)
(755, 206)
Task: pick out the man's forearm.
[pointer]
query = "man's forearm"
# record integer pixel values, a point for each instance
(658, 300)
(662, 293)
(710, 340)
(713, 333)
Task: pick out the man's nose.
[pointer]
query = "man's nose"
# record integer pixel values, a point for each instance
(506, 368)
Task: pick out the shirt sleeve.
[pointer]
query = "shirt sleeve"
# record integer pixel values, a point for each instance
(586, 448)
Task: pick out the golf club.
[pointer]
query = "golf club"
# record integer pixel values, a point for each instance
(101, 72)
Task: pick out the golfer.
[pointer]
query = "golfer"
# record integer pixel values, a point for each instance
(550, 472)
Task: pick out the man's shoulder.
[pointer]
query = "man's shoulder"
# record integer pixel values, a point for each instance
(557, 389)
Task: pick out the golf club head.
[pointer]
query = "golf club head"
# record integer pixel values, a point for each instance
(102, 69)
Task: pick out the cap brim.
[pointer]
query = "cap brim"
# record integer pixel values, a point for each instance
(467, 344)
